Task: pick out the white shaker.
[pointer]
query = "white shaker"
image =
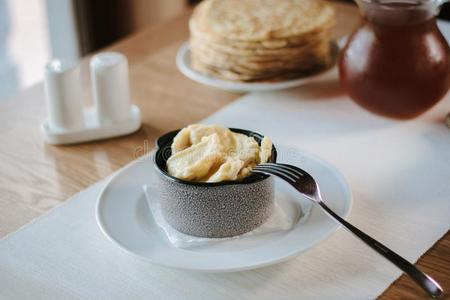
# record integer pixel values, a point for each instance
(110, 84)
(64, 94)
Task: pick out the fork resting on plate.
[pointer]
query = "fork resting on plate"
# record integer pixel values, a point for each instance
(308, 187)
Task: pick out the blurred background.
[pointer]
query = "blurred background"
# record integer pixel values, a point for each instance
(34, 31)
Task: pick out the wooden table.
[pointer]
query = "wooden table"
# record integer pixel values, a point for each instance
(36, 177)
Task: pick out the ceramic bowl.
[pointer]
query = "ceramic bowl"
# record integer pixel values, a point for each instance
(213, 210)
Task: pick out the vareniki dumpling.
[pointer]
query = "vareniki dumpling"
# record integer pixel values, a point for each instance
(213, 153)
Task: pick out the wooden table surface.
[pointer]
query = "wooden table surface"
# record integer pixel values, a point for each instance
(36, 177)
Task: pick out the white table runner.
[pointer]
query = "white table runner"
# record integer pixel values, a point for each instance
(399, 173)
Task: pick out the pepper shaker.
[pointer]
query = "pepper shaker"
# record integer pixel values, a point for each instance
(110, 84)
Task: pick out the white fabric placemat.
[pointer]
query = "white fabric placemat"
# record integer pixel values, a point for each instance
(399, 173)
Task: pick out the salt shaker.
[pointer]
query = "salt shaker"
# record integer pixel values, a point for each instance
(64, 95)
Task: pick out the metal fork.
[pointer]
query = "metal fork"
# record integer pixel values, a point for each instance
(308, 187)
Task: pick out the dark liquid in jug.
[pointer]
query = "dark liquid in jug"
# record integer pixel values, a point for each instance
(397, 66)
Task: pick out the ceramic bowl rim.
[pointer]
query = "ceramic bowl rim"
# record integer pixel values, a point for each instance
(167, 138)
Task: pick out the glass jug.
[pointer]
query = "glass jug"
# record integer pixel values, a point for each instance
(397, 62)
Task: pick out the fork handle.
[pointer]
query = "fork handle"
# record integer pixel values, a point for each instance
(425, 281)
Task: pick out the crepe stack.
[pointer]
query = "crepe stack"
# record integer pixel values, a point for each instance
(261, 40)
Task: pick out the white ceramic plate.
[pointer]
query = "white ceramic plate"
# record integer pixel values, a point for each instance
(184, 65)
(124, 217)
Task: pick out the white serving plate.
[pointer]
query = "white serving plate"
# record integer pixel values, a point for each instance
(124, 217)
(183, 61)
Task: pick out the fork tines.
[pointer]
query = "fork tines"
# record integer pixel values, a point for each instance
(287, 172)
(295, 176)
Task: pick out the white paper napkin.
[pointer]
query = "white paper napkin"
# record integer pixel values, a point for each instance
(283, 218)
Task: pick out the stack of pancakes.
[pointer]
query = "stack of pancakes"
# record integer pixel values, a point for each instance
(261, 40)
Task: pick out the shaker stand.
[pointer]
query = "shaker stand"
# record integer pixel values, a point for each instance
(92, 129)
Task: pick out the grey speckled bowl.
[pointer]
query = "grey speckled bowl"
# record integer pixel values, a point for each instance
(213, 210)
